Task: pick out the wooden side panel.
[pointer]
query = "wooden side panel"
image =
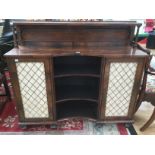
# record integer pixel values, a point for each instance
(120, 87)
(33, 89)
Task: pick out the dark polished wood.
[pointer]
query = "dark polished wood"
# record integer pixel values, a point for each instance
(94, 51)
(149, 97)
(77, 58)
(17, 93)
(136, 85)
(75, 34)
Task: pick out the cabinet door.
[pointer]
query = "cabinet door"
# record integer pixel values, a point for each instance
(33, 88)
(120, 87)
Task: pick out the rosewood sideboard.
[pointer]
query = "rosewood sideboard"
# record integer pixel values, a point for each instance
(76, 69)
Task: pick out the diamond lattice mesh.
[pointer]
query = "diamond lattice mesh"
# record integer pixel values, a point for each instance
(121, 80)
(31, 76)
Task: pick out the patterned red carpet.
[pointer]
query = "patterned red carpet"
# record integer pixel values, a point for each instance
(9, 125)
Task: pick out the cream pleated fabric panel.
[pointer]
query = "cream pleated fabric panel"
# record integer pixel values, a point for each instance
(120, 85)
(32, 82)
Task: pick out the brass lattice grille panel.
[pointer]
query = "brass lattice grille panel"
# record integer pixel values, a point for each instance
(32, 82)
(120, 85)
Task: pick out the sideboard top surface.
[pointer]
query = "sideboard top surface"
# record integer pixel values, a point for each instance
(24, 51)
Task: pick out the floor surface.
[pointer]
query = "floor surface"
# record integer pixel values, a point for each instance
(142, 116)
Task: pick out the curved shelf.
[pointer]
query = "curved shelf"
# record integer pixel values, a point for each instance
(77, 99)
(82, 75)
(67, 88)
(76, 70)
(79, 92)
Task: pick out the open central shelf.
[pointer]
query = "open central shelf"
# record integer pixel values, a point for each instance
(77, 109)
(77, 80)
(77, 65)
(77, 88)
